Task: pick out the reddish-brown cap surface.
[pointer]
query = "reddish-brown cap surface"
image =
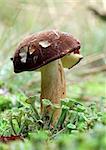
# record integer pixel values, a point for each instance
(38, 50)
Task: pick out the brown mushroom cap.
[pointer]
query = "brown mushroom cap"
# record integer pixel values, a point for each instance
(40, 49)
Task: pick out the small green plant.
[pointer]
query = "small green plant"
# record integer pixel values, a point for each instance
(74, 117)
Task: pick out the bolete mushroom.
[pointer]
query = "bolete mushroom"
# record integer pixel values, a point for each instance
(49, 52)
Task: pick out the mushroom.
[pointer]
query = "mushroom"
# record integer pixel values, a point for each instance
(48, 52)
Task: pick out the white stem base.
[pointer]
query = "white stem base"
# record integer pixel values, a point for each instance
(53, 86)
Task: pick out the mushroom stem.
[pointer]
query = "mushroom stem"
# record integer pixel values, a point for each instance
(53, 85)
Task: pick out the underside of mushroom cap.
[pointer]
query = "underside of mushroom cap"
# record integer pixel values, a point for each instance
(40, 49)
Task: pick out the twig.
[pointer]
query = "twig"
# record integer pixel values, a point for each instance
(93, 70)
(98, 13)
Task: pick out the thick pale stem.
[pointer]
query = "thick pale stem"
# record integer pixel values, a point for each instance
(53, 86)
